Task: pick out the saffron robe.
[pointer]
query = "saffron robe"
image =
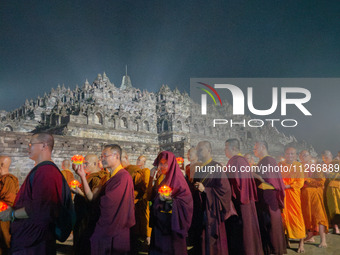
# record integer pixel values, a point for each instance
(84, 228)
(312, 203)
(247, 231)
(292, 213)
(41, 200)
(9, 186)
(333, 195)
(68, 175)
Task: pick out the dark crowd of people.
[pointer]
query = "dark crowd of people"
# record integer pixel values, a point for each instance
(121, 208)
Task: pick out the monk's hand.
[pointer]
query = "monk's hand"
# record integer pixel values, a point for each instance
(6, 215)
(79, 169)
(199, 186)
(287, 186)
(165, 198)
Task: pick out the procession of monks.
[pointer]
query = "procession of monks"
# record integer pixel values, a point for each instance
(120, 208)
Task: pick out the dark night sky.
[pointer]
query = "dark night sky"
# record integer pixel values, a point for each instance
(43, 44)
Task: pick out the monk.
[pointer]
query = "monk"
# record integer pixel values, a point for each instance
(271, 193)
(212, 205)
(293, 178)
(250, 159)
(171, 212)
(333, 191)
(38, 200)
(65, 166)
(244, 194)
(113, 203)
(313, 208)
(139, 192)
(83, 228)
(9, 186)
(193, 159)
(143, 211)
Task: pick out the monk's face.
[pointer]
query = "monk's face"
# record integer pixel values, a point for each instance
(203, 152)
(141, 161)
(258, 150)
(91, 164)
(163, 166)
(305, 157)
(290, 155)
(109, 158)
(35, 147)
(192, 155)
(327, 158)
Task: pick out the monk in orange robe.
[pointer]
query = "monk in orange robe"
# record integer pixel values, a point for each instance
(83, 228)
(9, 187)
(143, 212)
(139, 192)
(68, 175)
(332, 190)
(313, 208)
(293, 178)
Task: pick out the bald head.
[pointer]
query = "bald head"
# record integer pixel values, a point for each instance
(204, 151)
(192, 155)
(125, 159)
(305, 157)
(66, 164)
(141, 161)
(91, 164)
(327, 156)
(45, 138)
(290, 155)
(5, 163)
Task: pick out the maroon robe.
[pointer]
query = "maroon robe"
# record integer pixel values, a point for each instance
(244, 197)
(116, 215)
(170, 229)
(41, 198)
(269, 210)
(211, 208)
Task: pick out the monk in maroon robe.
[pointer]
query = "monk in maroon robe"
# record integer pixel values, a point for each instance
(113, 205)
(40, 196)
(170, 214)
(212, 205)
(244, 195)
(271, 202)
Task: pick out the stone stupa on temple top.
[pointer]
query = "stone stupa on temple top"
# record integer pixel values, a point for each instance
(126, 81)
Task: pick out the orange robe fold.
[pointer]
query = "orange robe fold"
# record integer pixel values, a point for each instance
(312, 203)
(333, 194)
(68, 175)
(292, 213)
(9, 187)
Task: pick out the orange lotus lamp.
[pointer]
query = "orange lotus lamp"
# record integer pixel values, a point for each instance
(74, 184)
(77, 159)
(3, 206)
(180, 160)
(165, 190)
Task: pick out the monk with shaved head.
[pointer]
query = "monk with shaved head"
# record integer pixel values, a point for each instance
(333, 190)
(83, 228)
(293, 179)
(313, 208)
(65, 166)
(38, 202)
(143, 211)
(9, 187)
